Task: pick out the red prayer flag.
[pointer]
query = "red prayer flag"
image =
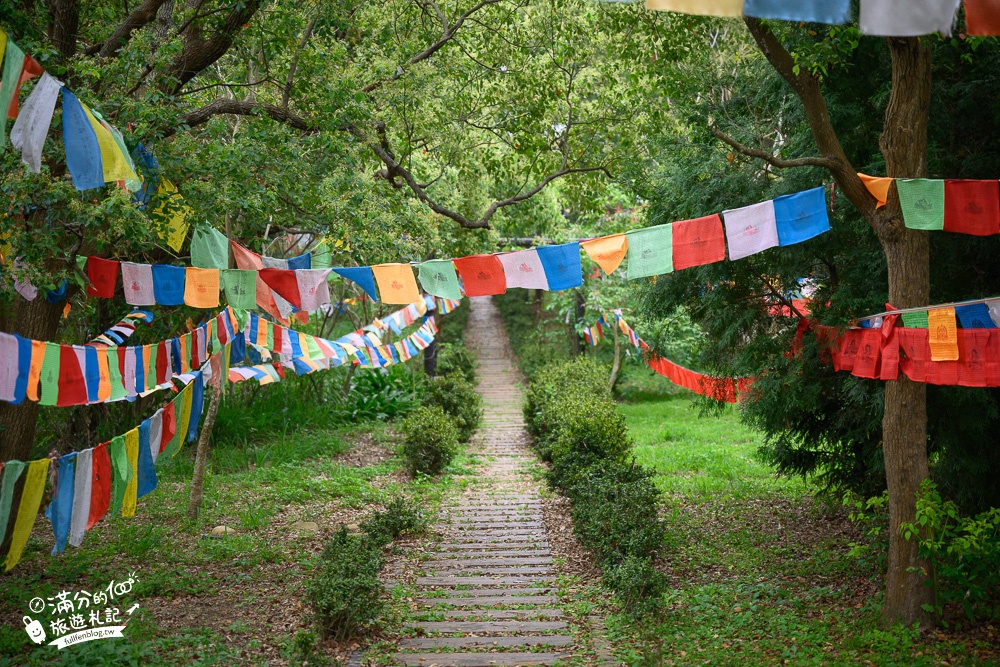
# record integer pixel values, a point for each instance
(72, 384)
(869, 351)
(972, 207)
(169, 425)
(29, 70)
(972, 351)
(915, 352)
(103, 276)
(982, 17)
(699, 241)
(482, 275)
(100, 486)
(163, 370)
(283, 282)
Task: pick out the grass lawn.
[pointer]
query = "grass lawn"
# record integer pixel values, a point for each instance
(760, 571)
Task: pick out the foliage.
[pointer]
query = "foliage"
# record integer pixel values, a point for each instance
(536, 341)
(345, 592)
(964, 552)
(430, 440)
(400, 516)
(459, 399)
(380, 393)
(579, 377)
(454, 359)
(306, 651)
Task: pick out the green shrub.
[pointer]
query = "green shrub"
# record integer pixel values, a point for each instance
(588, 424)
(638, 585)
(400, 516)
(455, 359)
(964, 552)
(560, 381)
(458, 398)
(430, 440)
(616, 512)
(345, 592)
(305, 651)
(379, 394)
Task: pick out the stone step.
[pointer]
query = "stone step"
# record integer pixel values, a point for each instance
(491, 569)
(476, 659)
(492, 592)
(474, 642)
(489, 602)
(505, 553)
(487, 626)
(538, 580)
(486, 545)
(501, 613)
(479, 562)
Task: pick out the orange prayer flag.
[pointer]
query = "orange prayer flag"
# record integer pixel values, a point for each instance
(396, 283)
(38, 348)
(878, 187)
(104, 387)
(607, 251)
(943, 334)
(201, 287)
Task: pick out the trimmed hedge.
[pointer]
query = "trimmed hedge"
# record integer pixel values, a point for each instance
(615, 504)
(430, 440)
(457, 397)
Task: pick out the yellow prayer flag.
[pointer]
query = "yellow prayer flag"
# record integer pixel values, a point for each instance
(27, 510)
(185, 420)
(607, 251)
(396, 283)
(943, 334)
(177, 218)
(132, 452)
(112, 161)
(700, 7)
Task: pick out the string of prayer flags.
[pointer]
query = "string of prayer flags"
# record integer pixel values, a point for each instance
(698, 242)
(482, 275)
(32, 124)
(561, 264)
(31, 500)
(972, 207)
(201, 287)
(832, 12)
(907, 18)
(943, 334)
(878, 187)
(608, 252)
(650, 251)
(396, 283)
(802, 216)
(982, 17)
(751, 229)
(438, 278)
(103, 277)
(362, 276)
(240, 287)
(701, 7)
(209, 248)
(594, 334)
(524, 269)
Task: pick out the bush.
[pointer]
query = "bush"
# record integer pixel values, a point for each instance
(561, 381)
(457, 398)
(638, 585)
(430, 440)
(454, 359)
(345, 592)
(589, 424)
(379, 394)
(400, 516)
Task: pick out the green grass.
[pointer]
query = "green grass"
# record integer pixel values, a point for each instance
(760, 571)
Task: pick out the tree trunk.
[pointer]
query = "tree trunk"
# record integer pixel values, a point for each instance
(39, 320)
(617, 364)
(907, 252)
(64, 27)
(431, 359)
(201, 458)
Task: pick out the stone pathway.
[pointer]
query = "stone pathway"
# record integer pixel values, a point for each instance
(490, 586)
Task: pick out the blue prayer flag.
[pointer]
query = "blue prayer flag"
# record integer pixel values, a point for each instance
(83, 153)
(92, 373)
(23, 368)
(362, 276)
(147, 473)
(301, 262)
(197, 404)
(561, 264)
(833, 12)
(168, 284)
(801, 216)
(974, 316)
(60, 510)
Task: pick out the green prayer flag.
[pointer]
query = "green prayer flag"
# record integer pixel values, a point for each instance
(922, 201)
(115, 376)
(151, 368)
(322, 258)
(438, 278)
(11, 471)
(313, 348)
(13, 63)
(81, 262)
(50, 375)
(241, 288)
(650, 251)
(121, 473)
(915, 320)
(209, 249)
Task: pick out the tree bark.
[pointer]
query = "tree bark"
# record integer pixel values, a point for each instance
(431, 359)
(64, 27)
(201, 457)
(617, 364)
(907, 252)
(39, 320)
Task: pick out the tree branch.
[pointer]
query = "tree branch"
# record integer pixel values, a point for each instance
(199, 53)
(225, 106)
(141, 16)
(286, 93)
(771, 159)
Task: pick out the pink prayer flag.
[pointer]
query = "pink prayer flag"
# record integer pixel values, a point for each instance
(524, 269)
(137, 279)
(314, 291)
(751, 229)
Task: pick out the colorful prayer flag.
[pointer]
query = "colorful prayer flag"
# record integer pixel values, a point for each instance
(438, 277)
(922, 201)
(137, 280)
(523, 269)
(103, 277)
(907, 18)
(750, 229)
(362, 276)
(562, 265)
(607, 251)
(201, 287)
(801, 216)
(982, 17)
(650, 251)
(209, 248)
(878, 187)
(698, 242)
(943, 337)
(396, 284)
(972, 207)
(31, 499)
(832, 12)
(700, 7)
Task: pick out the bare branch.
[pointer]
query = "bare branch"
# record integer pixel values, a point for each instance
(771, 159)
